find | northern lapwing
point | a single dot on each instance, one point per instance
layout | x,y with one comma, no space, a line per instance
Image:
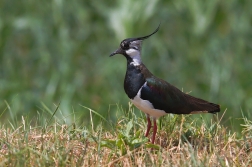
154,96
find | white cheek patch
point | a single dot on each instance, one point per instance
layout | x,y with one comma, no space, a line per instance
135,55
132,52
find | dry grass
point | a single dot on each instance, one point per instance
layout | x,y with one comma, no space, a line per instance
180,142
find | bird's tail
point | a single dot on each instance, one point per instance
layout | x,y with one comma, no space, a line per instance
201,106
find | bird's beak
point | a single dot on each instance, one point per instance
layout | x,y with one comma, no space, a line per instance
118,51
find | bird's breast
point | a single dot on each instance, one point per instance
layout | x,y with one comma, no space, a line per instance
133,81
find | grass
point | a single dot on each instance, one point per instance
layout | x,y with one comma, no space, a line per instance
181,141
58,51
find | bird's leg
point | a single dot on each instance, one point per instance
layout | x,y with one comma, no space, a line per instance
154,131
148,125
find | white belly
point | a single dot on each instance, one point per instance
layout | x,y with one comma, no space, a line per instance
146,106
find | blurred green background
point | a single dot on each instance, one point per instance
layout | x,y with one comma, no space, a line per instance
57,51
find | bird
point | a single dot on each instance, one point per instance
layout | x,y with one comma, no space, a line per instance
152,95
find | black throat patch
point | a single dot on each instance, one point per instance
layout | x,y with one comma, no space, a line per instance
134,79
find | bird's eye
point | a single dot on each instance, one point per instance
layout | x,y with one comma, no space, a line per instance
125,45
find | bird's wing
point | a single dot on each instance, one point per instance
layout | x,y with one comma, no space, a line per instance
165,96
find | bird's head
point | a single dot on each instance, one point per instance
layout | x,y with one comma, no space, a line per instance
131,47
